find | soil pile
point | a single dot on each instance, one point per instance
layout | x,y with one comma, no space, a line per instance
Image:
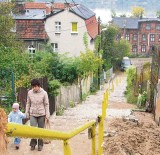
132,138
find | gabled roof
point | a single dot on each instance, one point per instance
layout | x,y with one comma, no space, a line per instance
128,23
82,11
92,26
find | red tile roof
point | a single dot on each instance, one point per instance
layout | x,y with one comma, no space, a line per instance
34,5
37,5
92,26
31,29
61,5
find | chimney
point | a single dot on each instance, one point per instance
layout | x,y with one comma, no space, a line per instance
66,5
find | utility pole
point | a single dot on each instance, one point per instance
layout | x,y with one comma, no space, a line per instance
99,34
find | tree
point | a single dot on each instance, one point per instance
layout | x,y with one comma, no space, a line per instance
113,50
158,14
137,11
113,13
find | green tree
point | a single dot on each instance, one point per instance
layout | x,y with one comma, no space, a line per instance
158,14
114,49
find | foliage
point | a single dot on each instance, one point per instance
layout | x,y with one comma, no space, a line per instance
137,11
158,14
113,50
60,110
72,104
84,96
113,13
131,74
54,86
85,40
88,63
93,88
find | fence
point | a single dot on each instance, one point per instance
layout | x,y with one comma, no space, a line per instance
16,130
67,95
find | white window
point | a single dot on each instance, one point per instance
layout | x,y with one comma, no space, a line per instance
135,37
57,27
143,37
127,37
143,48
152,37
31,50
55,47
158,27
134,48
148,26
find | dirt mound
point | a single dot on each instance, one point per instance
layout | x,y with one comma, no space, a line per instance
131,138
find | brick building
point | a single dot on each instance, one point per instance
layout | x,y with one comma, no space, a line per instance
141,33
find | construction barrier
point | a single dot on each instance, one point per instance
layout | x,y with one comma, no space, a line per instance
16,130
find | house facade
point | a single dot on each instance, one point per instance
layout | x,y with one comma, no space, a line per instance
67,28
141,33
62,25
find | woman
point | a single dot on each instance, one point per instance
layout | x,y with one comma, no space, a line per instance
38,108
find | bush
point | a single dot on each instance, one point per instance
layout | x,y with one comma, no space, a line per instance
60,110
54,86
93,88
72,104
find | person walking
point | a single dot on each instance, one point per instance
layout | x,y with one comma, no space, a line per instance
16,116
38,109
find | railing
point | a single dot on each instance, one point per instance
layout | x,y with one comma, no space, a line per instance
16,130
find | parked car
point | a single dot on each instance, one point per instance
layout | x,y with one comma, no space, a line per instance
126,63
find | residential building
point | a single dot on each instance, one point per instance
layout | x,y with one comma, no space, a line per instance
141,33
61,24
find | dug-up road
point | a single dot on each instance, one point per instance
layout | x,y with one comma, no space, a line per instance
77,116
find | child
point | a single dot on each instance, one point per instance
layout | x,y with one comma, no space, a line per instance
16,116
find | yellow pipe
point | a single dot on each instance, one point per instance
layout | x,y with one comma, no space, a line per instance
66,148
93,140
100,136
34,132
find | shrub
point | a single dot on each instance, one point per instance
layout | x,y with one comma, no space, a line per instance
72,104
60,110
54,86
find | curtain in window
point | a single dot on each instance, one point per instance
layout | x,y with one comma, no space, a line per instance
74,27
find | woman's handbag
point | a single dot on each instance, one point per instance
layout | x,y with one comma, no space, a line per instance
47,126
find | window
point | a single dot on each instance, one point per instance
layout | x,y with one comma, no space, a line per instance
148,26
127,36
31,50
152,37
55,47
158,27
143,37
134,48
57,27
143,48
135,37
74,27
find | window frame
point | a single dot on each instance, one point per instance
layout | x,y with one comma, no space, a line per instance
74,32
54,47
135,37
148,26
144,37
152,37
143,48
127,37
58,27
133,48
158,27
